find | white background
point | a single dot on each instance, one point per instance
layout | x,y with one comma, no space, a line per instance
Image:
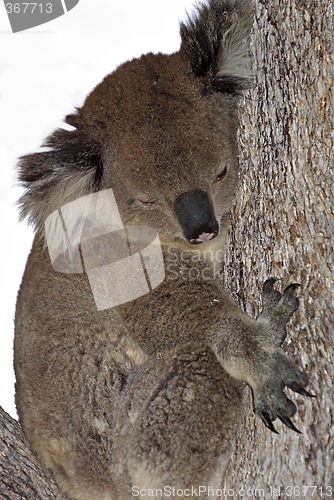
44,73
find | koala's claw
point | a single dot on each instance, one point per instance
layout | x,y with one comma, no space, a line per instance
291,288
297,388
289,295
271,296
286,421
268,285
268,422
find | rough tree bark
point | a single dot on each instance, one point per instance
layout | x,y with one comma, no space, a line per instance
21,476
282,227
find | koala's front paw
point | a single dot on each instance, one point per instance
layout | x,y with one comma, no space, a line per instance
278,307
270,402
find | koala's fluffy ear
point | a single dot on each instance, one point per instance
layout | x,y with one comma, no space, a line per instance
216,40
70,167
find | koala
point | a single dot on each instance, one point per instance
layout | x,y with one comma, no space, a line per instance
124,399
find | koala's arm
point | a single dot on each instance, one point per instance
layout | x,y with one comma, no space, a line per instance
250,351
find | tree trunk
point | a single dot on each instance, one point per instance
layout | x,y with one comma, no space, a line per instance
282,227
21,477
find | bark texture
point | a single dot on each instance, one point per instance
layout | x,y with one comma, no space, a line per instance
282,227
21,476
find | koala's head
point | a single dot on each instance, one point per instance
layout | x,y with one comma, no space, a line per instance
160,131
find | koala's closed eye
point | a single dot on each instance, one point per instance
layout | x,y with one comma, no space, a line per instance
147,203
143,202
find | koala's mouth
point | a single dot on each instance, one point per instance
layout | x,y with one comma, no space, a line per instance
201,238
194,211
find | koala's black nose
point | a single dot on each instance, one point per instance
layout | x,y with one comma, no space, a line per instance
195,214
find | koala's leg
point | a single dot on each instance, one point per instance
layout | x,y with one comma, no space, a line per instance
250,350
184,428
